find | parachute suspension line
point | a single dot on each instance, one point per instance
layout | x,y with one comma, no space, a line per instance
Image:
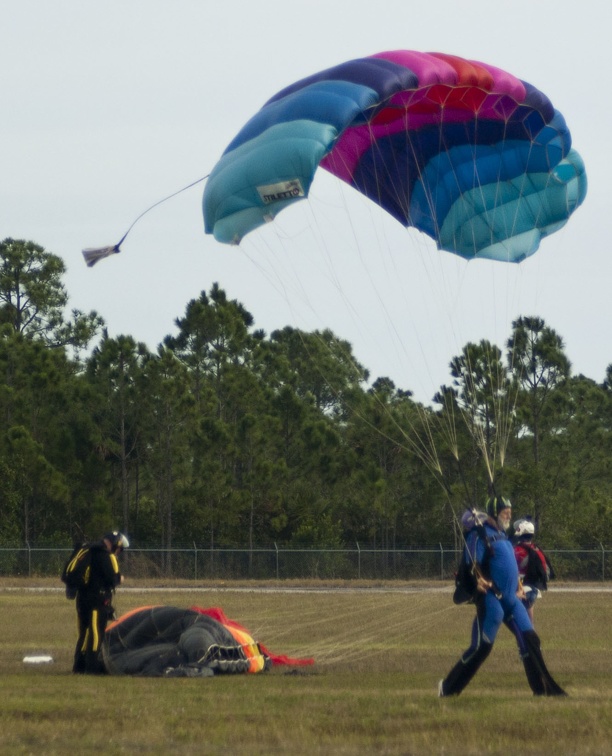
448,419
448,415
449,425
356,316
491,433
425,449
491,438
359,626
503,418
508,403
505,408
481,428
492,441
495,442
508,398
274,272
515,383
385,178
412,442
420,443
93,254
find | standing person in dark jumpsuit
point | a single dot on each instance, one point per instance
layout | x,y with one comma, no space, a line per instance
94,602
491,553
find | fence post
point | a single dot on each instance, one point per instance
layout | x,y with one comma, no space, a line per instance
29,558
603,562
358,561
277,572
195,561
441,561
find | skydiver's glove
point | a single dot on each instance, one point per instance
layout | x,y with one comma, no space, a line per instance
482,584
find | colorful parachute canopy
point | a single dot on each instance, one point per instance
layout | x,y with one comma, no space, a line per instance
463,151
165,641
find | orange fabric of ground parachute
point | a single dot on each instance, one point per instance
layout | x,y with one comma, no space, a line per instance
253,650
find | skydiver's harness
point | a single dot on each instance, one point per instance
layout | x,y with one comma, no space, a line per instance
468,570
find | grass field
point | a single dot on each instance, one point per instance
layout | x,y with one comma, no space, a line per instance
379,654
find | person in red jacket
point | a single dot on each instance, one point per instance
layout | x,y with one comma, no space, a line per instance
534,566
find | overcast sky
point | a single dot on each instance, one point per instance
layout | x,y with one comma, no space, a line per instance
109,107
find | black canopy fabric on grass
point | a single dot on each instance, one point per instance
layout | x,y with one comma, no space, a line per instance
166,641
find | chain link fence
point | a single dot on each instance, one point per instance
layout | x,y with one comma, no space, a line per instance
283,563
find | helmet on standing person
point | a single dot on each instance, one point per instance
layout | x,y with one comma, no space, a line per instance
495,506
523,528
117,541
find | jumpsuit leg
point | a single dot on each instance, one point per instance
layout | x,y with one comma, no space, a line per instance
78,666
92,619
539,678
489,615
93,643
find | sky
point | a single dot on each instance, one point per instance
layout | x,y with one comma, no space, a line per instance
108,108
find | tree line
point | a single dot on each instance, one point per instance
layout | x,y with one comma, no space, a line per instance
227,436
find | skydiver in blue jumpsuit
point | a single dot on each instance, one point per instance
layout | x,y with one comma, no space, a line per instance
496,600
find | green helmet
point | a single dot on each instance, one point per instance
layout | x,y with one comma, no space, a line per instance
495,505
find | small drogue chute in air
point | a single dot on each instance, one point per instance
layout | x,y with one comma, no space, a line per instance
167,641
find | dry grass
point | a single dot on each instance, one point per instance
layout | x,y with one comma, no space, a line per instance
373,688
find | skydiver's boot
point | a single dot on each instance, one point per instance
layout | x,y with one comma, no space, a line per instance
540,680
461,674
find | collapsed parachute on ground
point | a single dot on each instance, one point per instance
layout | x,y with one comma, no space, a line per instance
468,154
166,641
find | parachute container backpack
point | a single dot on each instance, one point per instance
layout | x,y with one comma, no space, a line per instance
75,574
468,154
